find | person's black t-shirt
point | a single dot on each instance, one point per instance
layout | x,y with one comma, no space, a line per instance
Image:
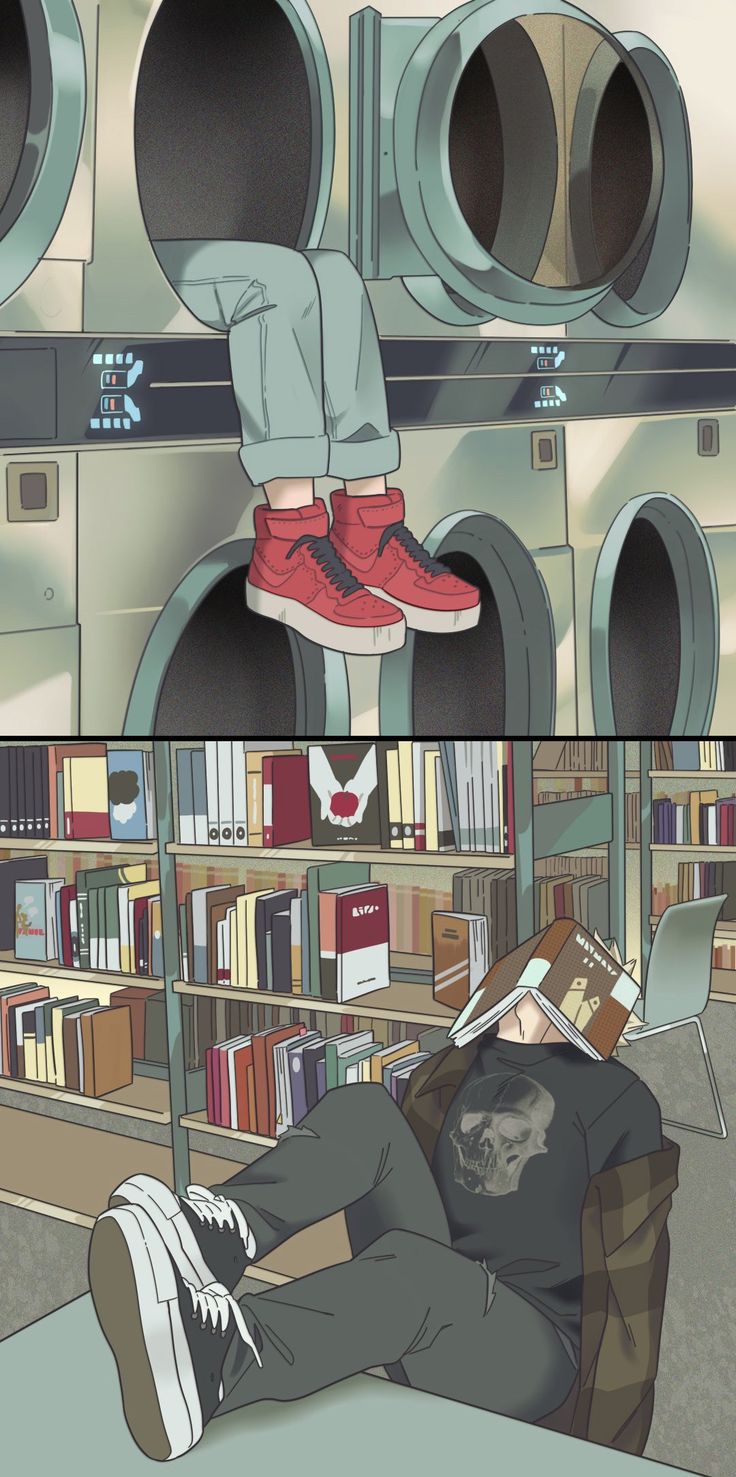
527,1128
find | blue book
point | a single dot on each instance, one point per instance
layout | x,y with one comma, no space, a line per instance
127,792
321,1078
35,918
186,796
685,754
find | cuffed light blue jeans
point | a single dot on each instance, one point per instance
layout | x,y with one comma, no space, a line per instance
304,355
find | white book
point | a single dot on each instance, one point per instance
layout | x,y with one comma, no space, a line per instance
240,796
466,818
186,796
225,790
198,964
127,963
199,788
213,811
150,793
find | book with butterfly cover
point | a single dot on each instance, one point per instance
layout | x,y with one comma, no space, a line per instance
580,983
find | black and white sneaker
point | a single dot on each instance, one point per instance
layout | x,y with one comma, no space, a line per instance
169,1338
206,1235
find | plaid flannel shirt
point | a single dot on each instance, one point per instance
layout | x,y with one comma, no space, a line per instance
625,1253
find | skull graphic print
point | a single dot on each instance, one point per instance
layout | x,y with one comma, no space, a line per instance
499,1125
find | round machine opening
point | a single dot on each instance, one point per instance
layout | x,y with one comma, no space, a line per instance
234,128
654,623
644,635
232,672
460,680
15,97
42,104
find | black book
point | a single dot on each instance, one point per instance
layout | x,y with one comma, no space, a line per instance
17,815
344,794
281,952
310,1056
275,902
39,765
4,792
29,760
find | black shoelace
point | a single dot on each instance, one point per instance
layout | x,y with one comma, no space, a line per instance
329,560
417,552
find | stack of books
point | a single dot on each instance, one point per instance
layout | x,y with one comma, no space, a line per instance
571,754
76,792
696,817
708,879
392,796
569,896
695,754
234,794
74,1043
331,939
265,1082
108,918
489,892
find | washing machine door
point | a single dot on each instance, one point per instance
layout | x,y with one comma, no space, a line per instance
655,626
529,165
42,105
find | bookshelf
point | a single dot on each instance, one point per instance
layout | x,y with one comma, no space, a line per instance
723,981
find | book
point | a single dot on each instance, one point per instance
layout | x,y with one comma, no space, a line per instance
438,822
86,881
35,923
286,814
344,795
135,997
240,800
267,904
373,1066
199,797
185,796
254,790
12,870
460,956
393,800
57,1072
13,997
584,990
281,950
297,1081
339,1047
361,941
154,1040
406,788
86,800
329,875
127,795
56,754
108,1051
263,1071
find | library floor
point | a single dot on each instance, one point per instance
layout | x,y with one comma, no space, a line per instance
43,1267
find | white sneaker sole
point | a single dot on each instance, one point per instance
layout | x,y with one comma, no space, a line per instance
436,621
354,640
162,1205
135,1297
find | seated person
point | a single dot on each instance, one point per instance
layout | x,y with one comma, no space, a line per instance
467,1272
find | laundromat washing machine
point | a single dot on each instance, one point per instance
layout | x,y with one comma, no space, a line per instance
542,203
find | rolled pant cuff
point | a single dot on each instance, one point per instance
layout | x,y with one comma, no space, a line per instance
354,459
292,456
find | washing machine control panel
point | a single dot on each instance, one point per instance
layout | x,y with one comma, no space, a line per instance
75,391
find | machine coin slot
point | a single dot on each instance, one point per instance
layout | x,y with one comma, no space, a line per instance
708,439
33,492
544,451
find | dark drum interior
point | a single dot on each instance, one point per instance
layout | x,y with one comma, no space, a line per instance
460,680
223,124
476,149
644,635
231,674
15,94
621,169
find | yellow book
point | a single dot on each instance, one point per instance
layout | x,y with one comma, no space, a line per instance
88,794
406,784
156,930
705,754
127,950
432,835
393,787
381,1059
245,910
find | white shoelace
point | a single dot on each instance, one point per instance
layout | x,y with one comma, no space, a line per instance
216,1210
215,1304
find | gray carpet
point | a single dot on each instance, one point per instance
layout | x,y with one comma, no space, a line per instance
43,1262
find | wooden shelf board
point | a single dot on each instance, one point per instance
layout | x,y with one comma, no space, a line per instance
105,848
310,854
721,995
404,1000
199,1122
689,846
53,973
692,774
145,1097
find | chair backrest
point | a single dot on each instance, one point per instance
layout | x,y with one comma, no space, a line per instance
678,977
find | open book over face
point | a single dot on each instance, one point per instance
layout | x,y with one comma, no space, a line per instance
583,987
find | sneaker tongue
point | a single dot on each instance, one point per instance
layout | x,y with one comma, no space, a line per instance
371,512
293,523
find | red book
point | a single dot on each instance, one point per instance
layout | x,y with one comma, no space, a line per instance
216,1095
243,1059
264,1077
559,899
210,1085
510,798
286,814
224,1068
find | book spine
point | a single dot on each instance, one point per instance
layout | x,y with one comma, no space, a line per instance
213,814
268,801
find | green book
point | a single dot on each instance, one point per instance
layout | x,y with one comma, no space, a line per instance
357,1055
112,928
92,879
330,874
348,1043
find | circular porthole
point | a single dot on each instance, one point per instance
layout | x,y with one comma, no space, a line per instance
498,677
654,623
530,162
234,123
42,106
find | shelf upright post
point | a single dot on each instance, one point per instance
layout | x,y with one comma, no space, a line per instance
524,838
617,845
645,844
170,933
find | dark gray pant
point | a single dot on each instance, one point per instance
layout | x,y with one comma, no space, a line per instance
405,1296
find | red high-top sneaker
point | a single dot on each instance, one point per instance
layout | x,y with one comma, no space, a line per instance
296,576
371,538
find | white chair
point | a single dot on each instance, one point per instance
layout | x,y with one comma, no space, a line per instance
678,984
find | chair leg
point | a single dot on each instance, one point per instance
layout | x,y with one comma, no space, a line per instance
693,1020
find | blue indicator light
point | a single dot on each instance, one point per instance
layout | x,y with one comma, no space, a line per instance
95,424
